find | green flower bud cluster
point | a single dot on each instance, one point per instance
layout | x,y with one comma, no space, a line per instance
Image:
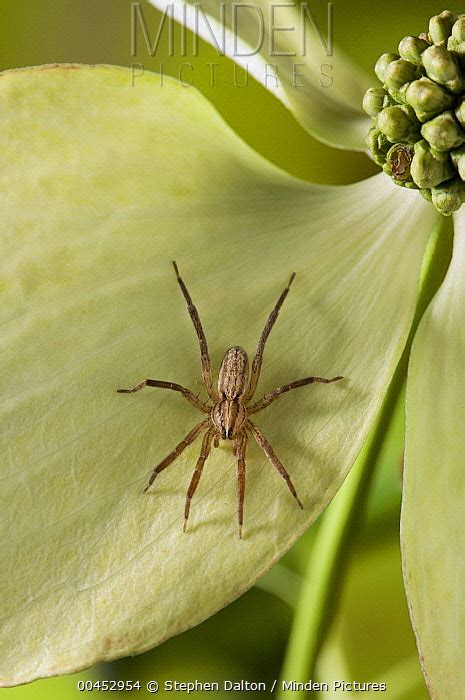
418,130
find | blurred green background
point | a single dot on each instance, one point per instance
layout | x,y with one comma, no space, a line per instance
369,636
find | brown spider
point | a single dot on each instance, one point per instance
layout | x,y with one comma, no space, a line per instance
228,416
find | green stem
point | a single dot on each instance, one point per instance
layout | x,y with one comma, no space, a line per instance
327,561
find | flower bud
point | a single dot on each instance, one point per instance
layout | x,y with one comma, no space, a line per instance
427,98
411,48
400,72
458,30
378,144
459,51
440,27
443,132
383,62
375,99
398,161
449,196
458,159
460,111
442,66
456,41
426,194
429,167
396,123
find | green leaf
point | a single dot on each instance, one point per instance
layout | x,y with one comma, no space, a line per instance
311,77
433,531
103,185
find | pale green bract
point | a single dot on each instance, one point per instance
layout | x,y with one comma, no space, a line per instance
102,185
434,485
292,55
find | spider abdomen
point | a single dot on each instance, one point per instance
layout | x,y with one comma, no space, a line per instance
228,417
234,373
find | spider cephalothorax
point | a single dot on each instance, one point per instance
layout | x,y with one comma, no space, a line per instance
229,410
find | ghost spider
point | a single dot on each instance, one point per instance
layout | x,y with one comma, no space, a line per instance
228,414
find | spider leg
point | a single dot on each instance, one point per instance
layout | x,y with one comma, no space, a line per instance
190,437
268,450
204,356
204,452
194,400
239,446
273,395
258,359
